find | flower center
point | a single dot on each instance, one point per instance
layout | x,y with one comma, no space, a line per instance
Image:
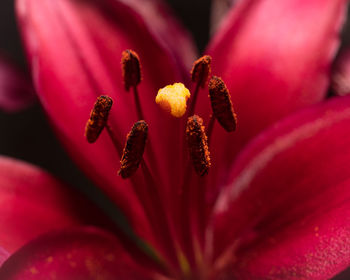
179,227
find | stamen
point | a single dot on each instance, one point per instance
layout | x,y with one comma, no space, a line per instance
221,104
131,69
98,118
198,145
210,128
200,73
173,99
201,70
133,150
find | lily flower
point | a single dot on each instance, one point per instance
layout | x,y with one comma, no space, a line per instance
271,199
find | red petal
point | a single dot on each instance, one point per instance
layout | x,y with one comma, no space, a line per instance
3,255
75,49
75,254
287,210
33,202
165,27
274,57
16,90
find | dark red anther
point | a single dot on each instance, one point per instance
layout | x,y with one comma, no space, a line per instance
131,68
221,104
201,70
133,150
198,145
98,118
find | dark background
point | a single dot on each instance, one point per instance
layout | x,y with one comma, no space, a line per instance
27,135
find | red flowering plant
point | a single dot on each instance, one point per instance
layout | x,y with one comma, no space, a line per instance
267,199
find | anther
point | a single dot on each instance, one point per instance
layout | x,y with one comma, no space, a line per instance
198,145
201,70
133,150
173,99
131,69
98,118
221,104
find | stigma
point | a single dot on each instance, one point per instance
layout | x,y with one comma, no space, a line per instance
173,99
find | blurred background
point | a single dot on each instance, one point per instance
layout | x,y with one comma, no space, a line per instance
26,135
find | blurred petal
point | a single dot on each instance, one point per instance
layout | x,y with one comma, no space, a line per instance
218,11
3,255
32,202
75,254
166,27
341,74
16,90
286,211
275,58
75,49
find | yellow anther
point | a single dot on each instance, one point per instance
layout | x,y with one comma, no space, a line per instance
173,99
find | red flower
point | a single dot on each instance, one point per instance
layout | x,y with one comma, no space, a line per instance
277,211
